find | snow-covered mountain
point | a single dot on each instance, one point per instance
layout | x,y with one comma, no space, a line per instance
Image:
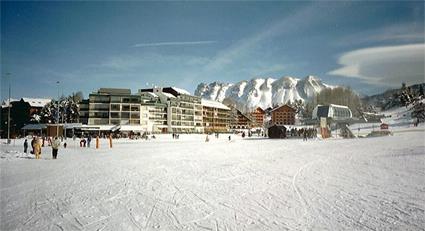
262,92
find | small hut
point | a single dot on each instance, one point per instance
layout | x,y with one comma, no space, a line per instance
277,132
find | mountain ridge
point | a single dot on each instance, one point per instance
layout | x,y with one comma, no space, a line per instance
262,92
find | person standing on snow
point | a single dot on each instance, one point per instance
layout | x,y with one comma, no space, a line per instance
25,146
88,141
32,145
37,148
55,147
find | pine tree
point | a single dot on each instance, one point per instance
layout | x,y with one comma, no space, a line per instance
66,111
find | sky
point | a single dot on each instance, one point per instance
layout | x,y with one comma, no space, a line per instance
369,46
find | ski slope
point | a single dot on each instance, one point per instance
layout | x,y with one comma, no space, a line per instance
399,120
245,184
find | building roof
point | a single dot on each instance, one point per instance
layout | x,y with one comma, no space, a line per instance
5,103
34,127
340,106
212,103
72,125
175,91
259,109
99,127
131,128
282,106
169,95
36,102
114,91
180,91
150,94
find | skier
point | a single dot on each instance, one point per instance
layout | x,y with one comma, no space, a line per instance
230,138
37,148
243,134
305,135
25,146
207,139
55,147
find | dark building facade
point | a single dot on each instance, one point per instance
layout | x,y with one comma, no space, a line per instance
21,113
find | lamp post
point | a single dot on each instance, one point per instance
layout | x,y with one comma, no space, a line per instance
57,113
8,112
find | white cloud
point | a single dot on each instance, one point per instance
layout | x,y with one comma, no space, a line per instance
387,65
175,43
408,32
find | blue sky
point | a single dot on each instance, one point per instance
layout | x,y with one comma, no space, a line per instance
370,46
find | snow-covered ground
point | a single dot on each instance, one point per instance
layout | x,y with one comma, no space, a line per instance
245,184
399,120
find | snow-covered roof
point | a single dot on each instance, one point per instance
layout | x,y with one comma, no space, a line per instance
5,103
180,91
212,103
151,94
72,125
168,95
131,128
36,102
34,127
336,105
281,106
99,127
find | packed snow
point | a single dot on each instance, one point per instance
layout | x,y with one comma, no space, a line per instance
242,184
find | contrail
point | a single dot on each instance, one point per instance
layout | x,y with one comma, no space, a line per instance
173,43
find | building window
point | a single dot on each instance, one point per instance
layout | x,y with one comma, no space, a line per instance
115,107
126,107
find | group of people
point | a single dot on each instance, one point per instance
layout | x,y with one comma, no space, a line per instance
207,139
37,143
176,136
306,133
85,142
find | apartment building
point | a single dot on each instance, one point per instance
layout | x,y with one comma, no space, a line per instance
158,110
258,115
283,115
111,106
215,116
154,115
240,120
183,111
